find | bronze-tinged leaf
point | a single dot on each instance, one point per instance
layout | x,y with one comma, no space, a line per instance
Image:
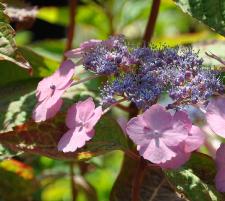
155,186
42,138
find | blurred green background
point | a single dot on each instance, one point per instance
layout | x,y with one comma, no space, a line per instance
99,19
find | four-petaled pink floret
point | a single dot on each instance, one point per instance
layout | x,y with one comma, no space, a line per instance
162,138
215,115
220,163
183,151
50,90
81,119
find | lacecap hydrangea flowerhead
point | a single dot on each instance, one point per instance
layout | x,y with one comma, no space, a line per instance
164,135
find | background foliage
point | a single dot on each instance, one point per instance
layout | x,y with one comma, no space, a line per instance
40,43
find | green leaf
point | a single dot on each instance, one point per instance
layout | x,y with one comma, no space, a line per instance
42,138
210,12
8,49
154,186
6,153
196,179
42,67
17,181
16,104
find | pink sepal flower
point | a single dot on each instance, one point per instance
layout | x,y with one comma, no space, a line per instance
215,115
85,46
183,151
81,119
156,132
220,163
193,141
177,161
50,90
88,45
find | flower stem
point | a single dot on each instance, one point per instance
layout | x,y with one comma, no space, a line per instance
85,79
122,107
73,186
149,30
71,27
138,178
114,104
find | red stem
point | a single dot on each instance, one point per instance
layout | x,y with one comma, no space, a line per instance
69,43
71,27
73,186
138,178
133,109
151,23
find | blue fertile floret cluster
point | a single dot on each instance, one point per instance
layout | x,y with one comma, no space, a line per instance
141,75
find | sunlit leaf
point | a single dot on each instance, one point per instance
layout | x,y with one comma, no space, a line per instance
8,49
42,66
196,179
6,153
210,12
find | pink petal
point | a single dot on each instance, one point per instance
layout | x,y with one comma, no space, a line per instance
136,132
123,124
75,53
194,140
85,109
90,44
157,152
57,95
220,163
157,118
183,117
43,89
215,115
61,79
85,46
220,180
175,135
177,161
72,119
74,139
93,119
220,156
64,74
42,111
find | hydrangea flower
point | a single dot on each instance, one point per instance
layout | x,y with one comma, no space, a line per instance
50,90
183,151
215,115
220,163
84,47
81,119
156,132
